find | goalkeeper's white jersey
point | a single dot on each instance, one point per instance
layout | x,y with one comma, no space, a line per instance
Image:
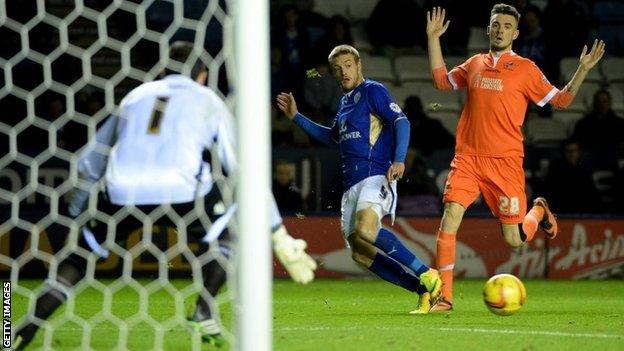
157,143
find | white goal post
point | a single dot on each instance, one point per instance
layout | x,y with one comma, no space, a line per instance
254,268
71,56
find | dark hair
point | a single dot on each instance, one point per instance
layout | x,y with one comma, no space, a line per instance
601,91
505,9
182,52
338,20
413,107
567,142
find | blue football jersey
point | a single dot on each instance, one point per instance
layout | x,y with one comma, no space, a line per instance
364,130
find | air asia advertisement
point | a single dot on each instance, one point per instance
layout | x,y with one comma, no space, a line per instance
583,249
591,249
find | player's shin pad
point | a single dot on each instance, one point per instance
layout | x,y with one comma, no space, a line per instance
291,253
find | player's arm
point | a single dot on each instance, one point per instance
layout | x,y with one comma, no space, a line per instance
92,164
384,106
541,92
435,28
288,105
587,61
401,135
442,79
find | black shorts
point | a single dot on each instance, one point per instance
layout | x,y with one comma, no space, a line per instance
195,218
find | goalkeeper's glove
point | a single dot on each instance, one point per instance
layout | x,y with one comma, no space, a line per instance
291,253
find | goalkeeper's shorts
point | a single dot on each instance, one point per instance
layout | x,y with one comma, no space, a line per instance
195,214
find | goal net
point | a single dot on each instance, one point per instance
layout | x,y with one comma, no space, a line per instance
66,64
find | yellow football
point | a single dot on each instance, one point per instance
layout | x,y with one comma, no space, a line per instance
504,294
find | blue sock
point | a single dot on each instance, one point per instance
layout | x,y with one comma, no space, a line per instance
392,271
393,247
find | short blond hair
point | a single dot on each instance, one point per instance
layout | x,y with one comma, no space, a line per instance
343,50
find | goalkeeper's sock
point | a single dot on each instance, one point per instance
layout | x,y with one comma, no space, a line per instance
46,304
391,271
55,294
214,277
393,247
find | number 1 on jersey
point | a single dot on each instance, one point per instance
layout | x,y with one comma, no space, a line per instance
153,127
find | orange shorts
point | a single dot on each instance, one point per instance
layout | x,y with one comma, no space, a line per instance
500,180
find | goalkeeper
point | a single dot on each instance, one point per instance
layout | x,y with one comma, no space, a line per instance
156,159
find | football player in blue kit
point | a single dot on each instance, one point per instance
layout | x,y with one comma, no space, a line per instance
372,134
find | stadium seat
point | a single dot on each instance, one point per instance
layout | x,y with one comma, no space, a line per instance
478,40
401,92
613,69
586,93
570,64
377,67
360,38
617,99
609,10
541,4
568,118
452,61
617,86
603,179
545,131
448,119
330,8
413,68
617,90
447,101
416,68
360,10
584,98
444,100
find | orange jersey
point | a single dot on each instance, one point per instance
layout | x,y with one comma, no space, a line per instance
499,90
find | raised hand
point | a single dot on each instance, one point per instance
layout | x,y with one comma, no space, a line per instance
286,103
588,60
435,22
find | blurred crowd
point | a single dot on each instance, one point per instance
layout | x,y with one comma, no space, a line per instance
582,173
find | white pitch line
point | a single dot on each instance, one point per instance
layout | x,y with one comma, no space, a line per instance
445,329
531,332
469,330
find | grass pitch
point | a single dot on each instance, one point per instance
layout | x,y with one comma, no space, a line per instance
372,315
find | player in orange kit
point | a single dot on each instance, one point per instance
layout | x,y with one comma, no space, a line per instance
489,151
